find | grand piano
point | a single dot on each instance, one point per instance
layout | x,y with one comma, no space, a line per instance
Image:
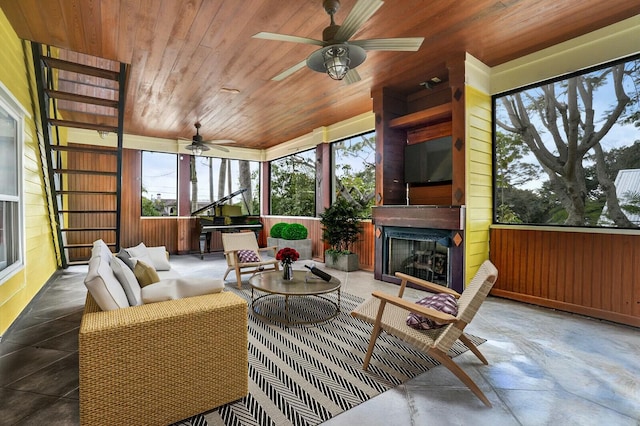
221,217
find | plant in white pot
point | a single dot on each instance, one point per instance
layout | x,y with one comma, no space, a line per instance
341,228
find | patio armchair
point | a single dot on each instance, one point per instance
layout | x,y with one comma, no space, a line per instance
389,313
241,251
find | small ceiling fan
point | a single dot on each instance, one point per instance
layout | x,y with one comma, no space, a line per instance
338,56
198,146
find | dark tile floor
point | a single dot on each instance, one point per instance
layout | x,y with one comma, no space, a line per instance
545,367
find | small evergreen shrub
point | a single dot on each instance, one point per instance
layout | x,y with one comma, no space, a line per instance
276,229
294,231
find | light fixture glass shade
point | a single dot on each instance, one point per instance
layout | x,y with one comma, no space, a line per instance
103,133
336,59
196,149
336,62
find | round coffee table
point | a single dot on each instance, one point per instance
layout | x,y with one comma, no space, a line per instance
303,285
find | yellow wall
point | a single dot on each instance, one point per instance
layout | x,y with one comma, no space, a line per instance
478,168
40,260
478,179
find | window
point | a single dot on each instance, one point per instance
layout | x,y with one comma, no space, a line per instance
11,226
567,151
218,177
354,171
159,184
293,185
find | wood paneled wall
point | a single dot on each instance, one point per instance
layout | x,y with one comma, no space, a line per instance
594,274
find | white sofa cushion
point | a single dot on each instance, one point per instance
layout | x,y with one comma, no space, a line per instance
137,251
158,257
102,283
128,281
178,288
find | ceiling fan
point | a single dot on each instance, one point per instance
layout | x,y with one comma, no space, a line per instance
198,146
338,56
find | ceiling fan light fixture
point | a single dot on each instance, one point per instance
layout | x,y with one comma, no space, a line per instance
197,148
336,59
336,62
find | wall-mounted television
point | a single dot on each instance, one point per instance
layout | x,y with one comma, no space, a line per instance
428,162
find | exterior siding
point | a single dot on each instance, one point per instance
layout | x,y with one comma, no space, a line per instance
40,258
478,179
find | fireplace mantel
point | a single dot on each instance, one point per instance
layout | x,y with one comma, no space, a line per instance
417,216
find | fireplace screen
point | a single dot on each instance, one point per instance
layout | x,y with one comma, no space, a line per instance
422,253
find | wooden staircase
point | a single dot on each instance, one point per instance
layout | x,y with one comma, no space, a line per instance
84,180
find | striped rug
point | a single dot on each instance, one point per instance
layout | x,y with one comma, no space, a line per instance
306,374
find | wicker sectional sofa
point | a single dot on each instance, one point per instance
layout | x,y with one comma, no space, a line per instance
161,362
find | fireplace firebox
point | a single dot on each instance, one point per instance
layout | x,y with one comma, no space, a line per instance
422,241
422,253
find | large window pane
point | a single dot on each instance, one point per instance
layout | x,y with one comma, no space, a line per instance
354,171
293,185
567,152
11,228
159,184
218,177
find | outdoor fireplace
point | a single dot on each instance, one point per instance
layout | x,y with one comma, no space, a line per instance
422,241
422,253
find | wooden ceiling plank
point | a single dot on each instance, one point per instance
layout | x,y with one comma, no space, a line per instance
75,27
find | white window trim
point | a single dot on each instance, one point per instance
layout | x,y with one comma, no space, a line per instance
12,106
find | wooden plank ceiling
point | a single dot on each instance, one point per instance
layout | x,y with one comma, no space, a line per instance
189,57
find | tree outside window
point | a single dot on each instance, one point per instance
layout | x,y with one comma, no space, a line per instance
293,185
567,152
159,184
354,171
215,178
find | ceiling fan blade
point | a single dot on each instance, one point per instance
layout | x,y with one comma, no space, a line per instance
218,141
404,44
361,11
352,76
219,147
288,72
284,37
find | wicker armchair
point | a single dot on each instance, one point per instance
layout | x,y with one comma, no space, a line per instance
162,362
389,313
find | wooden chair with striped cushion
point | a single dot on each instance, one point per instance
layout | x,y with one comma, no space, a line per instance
237,245
389,313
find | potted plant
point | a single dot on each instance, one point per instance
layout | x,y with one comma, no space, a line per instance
292,235
341,228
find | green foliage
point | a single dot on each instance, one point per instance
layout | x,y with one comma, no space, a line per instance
293,185
294,231
151,208
276,229
355,170
341,226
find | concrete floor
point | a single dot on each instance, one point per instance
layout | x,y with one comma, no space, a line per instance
545,367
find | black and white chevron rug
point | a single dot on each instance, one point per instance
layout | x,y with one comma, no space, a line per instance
304,375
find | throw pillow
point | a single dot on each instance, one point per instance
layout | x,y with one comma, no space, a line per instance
158,257
126,258
248,256
137,251
145,274
442,302
128,280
